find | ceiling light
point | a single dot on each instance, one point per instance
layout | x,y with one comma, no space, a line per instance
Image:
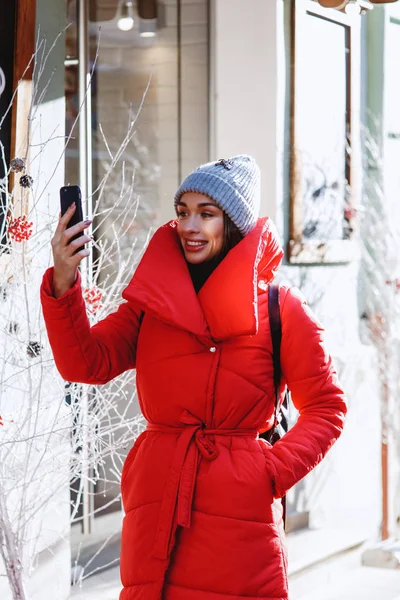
148,28
125,16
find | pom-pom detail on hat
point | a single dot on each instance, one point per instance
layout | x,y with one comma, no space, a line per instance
225,162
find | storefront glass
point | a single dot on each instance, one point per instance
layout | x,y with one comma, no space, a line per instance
149,124
159,81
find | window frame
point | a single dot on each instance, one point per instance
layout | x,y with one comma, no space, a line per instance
319,251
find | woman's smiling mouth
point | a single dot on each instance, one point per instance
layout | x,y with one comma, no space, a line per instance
194,245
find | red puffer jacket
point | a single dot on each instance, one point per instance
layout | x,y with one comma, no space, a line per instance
199,488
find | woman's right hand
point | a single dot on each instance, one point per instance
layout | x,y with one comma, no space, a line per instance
65,261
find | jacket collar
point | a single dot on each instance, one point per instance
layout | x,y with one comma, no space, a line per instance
226,305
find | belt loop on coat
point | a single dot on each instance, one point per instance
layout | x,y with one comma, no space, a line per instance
177,501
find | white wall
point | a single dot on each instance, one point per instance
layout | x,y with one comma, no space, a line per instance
244,94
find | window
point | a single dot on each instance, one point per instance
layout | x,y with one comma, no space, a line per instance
160,83
325,134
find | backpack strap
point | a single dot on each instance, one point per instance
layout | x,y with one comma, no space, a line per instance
281,423
276,331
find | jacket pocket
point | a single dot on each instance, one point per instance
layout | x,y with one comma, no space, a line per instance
266,448
131,457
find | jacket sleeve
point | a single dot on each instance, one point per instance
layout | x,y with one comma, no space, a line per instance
85,354
316,394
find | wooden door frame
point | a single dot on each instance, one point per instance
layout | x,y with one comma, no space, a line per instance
17,59
24,48
319,251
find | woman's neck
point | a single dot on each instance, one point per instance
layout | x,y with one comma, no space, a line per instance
200,272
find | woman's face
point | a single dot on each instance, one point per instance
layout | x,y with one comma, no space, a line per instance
200,227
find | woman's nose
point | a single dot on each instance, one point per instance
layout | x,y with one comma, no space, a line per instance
191,224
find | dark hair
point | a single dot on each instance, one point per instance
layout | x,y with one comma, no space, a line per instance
232,235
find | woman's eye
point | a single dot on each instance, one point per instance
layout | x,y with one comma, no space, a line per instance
207,214
180,213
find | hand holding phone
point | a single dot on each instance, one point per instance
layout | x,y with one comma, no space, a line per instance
71,194
67,242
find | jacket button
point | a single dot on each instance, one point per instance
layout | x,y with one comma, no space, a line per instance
213,349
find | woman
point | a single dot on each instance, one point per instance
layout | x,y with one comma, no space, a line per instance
201,491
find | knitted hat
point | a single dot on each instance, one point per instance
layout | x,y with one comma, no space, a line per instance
234,184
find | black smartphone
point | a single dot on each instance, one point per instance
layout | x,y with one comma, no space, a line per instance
68,195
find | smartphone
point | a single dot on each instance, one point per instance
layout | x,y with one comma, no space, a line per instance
68,195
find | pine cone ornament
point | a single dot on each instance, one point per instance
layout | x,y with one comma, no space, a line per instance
33,349
17,165
26,181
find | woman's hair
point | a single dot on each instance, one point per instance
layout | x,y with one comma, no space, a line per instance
232,235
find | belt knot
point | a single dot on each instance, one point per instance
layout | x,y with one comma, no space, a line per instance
207,448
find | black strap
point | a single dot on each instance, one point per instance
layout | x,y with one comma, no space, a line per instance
281,413
276,332
281,423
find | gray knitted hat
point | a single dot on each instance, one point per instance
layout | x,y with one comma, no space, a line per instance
234,184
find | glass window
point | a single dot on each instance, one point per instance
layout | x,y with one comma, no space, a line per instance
155,74
149,122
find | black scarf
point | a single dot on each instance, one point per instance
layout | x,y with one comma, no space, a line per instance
200,272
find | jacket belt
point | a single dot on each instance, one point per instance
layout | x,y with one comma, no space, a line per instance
176,506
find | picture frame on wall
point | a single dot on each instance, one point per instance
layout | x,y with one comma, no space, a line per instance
325,134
